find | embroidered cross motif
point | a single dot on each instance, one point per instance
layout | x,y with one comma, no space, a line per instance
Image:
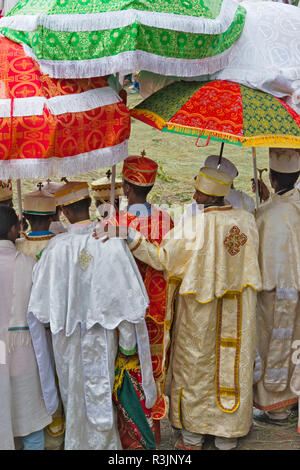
84,259
235,240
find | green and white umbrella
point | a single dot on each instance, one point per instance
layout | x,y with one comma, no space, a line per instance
86,38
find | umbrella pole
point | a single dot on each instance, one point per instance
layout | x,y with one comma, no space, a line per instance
112,186
255,176
220,156
20,202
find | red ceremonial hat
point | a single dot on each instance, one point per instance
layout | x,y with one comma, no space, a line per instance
140,170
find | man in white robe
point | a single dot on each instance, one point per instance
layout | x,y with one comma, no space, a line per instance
94,299
23,412
278,306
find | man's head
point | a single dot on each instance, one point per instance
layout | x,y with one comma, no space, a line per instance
77,211
75,201
52,187
207,200
134,193
101,192
139,175
39,209
280,181
39,223
211,186
284,168
6,193
9,224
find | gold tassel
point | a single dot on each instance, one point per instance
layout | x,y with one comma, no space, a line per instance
122,364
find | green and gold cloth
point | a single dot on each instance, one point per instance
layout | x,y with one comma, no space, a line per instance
85,38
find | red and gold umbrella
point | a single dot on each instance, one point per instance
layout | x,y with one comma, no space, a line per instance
223,111
56,127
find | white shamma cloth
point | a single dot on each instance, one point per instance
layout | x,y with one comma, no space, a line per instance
94,298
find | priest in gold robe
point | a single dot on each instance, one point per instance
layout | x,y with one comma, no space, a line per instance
278,311
211,265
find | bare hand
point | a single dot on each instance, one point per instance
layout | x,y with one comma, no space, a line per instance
263,190
106,209
105,231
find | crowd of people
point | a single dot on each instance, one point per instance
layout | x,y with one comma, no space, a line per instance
101,320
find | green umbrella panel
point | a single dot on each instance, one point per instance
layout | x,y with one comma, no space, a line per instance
84,38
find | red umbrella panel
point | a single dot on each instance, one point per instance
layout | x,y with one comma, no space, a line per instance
56,127
223,111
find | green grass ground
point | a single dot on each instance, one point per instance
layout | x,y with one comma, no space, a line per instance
179,161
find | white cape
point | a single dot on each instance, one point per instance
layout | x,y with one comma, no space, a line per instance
86,289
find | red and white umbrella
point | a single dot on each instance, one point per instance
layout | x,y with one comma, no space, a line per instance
56,127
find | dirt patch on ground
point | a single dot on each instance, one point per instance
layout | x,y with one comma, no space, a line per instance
261,437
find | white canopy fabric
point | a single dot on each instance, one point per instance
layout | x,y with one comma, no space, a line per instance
265,57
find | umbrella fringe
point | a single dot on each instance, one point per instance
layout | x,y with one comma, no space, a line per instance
66,166
145,116
202,133
125,62
155,120
287,141
86,101
120,19
60,104
257,141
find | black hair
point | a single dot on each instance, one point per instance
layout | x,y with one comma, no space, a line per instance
140,191
80,206
285,180
36,218
219,199
8,219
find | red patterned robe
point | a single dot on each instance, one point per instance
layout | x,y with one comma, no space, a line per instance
154,229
